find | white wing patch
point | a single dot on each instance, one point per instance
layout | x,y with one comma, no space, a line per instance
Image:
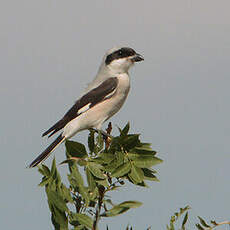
87,107
110,94
84,108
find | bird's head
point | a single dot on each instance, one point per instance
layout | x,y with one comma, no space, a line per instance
119,60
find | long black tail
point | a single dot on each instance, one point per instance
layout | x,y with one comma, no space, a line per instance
47,151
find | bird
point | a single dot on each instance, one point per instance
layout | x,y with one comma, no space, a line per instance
103,97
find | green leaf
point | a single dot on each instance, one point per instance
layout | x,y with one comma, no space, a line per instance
45,181
59,219
73,220
130,141
83,191
76,181
125,130
199,227
69,160
77,185
121,170
111,167
103,182
73,160
76,149
106,157
53,168
56,200
149,174
109,202
90,180
184,221
143,151
82,162
121,208
146,162
93,196
84,220
176,216
136,175
202,221
51,186
115,144
44,170
66,194
99,143
95,169
171,225
130,204
146,146
116,210
76,177
119,158
56,179
143,184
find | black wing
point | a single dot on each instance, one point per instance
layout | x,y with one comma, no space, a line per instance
96,95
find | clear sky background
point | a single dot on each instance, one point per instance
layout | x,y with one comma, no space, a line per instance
179,100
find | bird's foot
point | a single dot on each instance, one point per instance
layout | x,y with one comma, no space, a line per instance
103,133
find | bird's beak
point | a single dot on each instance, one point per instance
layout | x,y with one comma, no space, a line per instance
137,58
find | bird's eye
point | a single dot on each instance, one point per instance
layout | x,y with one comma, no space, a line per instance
120,52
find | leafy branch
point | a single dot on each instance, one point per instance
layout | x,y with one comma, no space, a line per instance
202,225
110,163
213,224
176,217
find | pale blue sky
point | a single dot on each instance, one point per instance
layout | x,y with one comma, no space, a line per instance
50,50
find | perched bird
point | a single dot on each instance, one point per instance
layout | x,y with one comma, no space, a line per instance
103,97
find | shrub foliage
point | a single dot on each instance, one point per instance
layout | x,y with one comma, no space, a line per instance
109,163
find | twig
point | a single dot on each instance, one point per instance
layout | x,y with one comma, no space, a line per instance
109,129
218,224
101,190
108,139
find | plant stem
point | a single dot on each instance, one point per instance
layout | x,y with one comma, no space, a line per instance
218,224
101,190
